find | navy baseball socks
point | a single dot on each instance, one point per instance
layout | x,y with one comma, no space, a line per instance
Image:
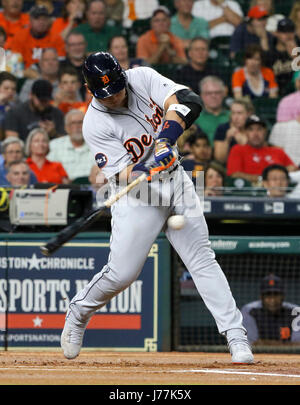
239,346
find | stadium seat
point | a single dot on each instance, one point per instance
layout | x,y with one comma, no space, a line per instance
245,5
220,45
139,27
283,6
81,180
266,108
167,70
237,187
169,4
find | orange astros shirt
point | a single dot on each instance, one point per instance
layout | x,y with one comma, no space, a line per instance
30,48
51,172
78,105
148,44
13,27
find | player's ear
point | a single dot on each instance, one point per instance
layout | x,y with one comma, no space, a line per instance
88,90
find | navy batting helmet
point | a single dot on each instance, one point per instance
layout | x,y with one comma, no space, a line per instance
103,74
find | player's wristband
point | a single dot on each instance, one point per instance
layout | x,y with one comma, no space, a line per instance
171,130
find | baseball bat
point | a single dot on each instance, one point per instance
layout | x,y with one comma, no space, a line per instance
82,223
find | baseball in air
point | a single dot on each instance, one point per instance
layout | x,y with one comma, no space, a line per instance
176,222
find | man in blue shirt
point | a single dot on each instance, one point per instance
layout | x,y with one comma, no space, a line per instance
252,31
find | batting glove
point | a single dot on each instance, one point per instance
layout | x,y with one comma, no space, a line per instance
164,155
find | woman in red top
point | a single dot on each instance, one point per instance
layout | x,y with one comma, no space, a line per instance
37,148
72,15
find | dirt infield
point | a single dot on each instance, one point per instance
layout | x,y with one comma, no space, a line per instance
50,368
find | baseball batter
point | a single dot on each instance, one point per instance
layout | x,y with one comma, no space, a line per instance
131,126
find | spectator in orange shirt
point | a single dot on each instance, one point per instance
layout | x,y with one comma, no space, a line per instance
159,45
12,19
253,79
37,148
68,96
72,15
30,41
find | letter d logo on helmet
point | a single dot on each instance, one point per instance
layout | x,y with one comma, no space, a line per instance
103,74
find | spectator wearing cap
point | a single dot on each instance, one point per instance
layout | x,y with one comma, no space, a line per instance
198,66
95,30
30,41
280,58
12,19
273,17
251,31
254,79
248,161
270,319
159,45
222,15
138,10
34,113
212,92
185,26
233,132
289,106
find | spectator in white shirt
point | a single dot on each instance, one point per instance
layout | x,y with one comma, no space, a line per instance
286,135
223,15
71,150
138,10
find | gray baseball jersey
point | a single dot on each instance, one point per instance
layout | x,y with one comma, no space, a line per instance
126,135
118,138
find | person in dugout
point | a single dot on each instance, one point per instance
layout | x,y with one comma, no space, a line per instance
271,320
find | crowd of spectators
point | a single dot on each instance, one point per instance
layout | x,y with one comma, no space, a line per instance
240,56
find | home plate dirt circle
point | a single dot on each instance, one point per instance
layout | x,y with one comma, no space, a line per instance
133,368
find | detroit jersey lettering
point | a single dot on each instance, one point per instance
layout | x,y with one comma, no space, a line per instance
123,136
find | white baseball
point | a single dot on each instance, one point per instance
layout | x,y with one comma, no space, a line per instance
176,222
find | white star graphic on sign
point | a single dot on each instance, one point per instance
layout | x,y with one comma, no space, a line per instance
37,322
34,262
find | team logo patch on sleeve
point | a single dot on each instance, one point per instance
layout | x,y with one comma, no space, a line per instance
101,160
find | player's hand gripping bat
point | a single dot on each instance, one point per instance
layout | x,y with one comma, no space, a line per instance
82,223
